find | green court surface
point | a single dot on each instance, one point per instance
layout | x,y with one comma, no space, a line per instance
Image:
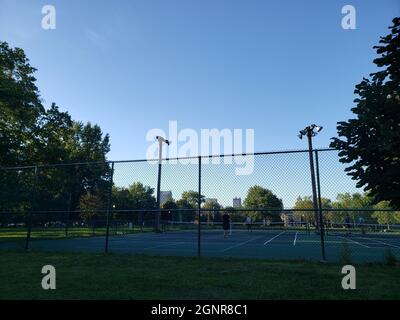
265,244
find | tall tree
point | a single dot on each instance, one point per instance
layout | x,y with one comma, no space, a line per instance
143,196
187,210
122,199
136,197
192,197
90,205
30,134
353,205
20,107
385,217
212,210
370,143
304,209
261,198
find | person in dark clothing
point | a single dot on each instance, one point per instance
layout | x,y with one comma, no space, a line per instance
347,223
226,223
248,223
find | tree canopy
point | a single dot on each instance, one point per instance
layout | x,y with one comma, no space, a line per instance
192,197
355,205
370,143
30,135
260,198
304,208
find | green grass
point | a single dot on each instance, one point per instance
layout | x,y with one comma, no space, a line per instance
116,276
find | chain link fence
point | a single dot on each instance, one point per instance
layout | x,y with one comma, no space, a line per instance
249,205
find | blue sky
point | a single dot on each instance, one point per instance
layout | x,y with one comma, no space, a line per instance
130,66
274,66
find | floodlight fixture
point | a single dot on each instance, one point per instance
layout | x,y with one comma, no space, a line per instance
310,131
161,139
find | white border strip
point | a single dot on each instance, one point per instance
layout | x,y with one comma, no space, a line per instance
295,239
378,241
268,241
240,244
363,245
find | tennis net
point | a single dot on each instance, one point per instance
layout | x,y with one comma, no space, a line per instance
376,230
214,227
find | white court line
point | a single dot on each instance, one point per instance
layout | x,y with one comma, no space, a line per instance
378,241
164,245
268,241
295,238
241,244
355,242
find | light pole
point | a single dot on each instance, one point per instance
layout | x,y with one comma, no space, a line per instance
311,131
161,140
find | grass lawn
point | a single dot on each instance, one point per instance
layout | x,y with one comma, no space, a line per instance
117,276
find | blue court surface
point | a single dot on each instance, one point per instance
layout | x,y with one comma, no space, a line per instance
265,244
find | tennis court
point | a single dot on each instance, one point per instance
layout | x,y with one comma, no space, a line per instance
279,242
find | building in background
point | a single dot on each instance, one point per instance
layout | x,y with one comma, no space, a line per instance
211,200
237,202
165,196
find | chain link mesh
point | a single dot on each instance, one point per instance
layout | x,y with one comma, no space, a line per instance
267,197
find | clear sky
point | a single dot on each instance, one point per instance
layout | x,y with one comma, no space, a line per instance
273,66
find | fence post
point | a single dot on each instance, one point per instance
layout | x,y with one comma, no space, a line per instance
109,206
199,212
158,213
33,205
321,220
68,214
312,170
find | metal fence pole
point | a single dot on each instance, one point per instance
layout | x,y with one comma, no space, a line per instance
321,220
199,212
33,205
314,191
109,206
68,214
158,213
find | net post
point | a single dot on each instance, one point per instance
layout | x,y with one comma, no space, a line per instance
199,212
109,207
321,220
33,205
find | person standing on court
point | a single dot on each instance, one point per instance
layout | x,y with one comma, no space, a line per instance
248,223
347,223
226,221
